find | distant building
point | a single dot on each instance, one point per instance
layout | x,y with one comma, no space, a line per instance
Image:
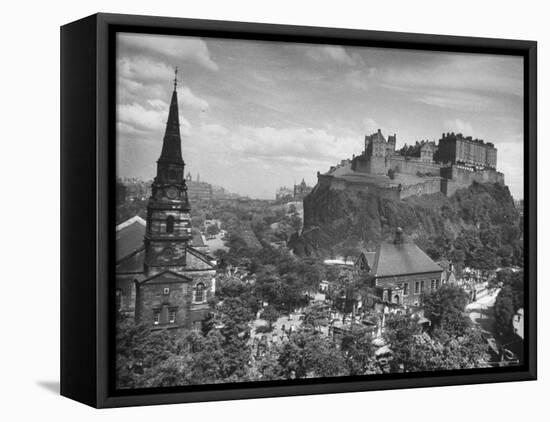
297,193
197,191
284,194
301,190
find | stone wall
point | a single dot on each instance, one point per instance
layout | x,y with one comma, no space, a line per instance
430,186
165,255
408,295
157,222
465,176
360,164
151,298
369,165
408,165
445,178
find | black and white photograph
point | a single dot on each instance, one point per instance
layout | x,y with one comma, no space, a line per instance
291,211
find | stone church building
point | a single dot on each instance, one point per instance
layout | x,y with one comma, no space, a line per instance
164,278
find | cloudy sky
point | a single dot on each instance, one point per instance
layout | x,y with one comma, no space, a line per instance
258,115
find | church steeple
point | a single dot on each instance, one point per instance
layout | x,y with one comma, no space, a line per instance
171,146
168,221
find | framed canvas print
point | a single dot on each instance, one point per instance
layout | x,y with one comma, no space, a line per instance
254,210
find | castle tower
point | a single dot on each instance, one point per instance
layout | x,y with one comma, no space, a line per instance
168,227
376,153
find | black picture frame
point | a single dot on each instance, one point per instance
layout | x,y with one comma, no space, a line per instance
87,220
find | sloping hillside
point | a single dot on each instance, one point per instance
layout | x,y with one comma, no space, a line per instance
477,226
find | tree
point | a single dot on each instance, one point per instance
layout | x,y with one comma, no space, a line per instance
416,351
270,314
266,367
466,351
309,355
504,310
212,230
447,352
358,350
348,289
200,362
315,316
139,351
400,335
295,222
445,308
235,317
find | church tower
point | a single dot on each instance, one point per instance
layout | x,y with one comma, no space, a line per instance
168,229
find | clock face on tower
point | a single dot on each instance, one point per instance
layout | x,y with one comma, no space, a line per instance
172,193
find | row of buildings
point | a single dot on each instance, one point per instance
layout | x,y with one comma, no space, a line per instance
198,192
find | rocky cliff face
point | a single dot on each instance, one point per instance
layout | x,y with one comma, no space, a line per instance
483,214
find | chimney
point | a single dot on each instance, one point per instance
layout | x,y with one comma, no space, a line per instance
398,236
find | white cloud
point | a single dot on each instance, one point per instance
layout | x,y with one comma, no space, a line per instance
360,78
459,126
176,49
334,53
214,129
188,98
135,118
510,162
144,70
370,125
489,74
457,100
140,78
140,118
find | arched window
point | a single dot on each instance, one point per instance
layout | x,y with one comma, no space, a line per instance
199,293
170,224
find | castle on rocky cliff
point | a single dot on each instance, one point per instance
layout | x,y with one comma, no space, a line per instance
424,168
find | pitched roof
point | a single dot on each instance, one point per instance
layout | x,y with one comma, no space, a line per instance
132,264
370,256
130,253
129,237
394,259
166,277
203,260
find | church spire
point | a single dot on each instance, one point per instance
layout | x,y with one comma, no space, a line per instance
171,146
